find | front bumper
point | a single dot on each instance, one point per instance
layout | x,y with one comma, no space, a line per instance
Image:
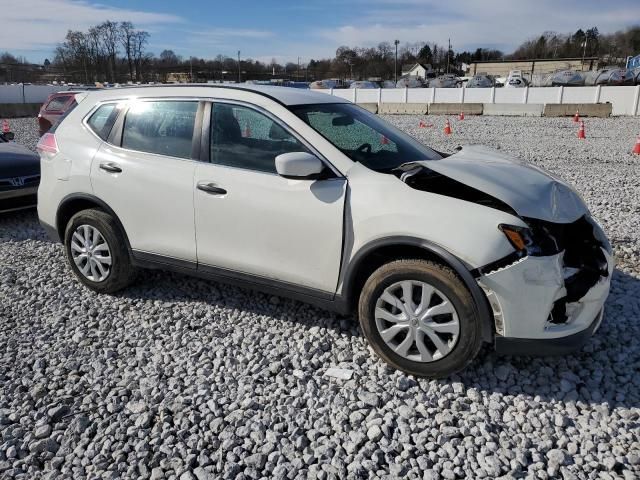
547,346
523,297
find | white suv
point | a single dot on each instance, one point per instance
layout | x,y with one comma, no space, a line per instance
302,194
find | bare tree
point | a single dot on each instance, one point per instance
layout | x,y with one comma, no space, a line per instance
127,34
139,41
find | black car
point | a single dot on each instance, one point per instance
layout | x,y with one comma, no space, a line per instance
19,175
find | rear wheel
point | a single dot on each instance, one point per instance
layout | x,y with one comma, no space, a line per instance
96,250
420,318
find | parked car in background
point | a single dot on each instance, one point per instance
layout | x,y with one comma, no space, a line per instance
307,195
409,81
363,84
54,107
564,78
480,81
19,175
445,81
610,76
515,79
388,84
323,84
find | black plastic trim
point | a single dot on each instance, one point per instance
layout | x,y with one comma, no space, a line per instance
320,298
349,274
545,346
100,203
505,261
197,132
205,133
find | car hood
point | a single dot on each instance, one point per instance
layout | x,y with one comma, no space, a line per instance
16,161
529,190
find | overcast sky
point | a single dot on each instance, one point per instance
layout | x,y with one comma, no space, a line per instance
265,29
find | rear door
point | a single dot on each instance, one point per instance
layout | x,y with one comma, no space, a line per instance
145,174
254,221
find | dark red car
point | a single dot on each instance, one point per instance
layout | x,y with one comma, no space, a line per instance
54,107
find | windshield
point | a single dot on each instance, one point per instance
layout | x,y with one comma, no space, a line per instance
363,136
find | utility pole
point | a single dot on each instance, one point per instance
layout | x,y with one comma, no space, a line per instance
191,69
448,52
395,62
298,71
238,66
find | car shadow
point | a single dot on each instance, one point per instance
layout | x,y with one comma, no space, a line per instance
603,371
21,225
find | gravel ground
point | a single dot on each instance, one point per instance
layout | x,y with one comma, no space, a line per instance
182,378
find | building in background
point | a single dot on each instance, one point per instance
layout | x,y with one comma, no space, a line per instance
532,67
420,70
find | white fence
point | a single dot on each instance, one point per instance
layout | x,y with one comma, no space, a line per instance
27,93
624,100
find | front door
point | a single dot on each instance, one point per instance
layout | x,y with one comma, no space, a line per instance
250,220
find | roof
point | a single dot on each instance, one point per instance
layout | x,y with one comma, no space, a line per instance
283,95
410,66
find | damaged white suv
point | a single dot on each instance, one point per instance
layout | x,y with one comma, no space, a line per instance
305,195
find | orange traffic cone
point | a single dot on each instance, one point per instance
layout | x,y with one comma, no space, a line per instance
581,134
447,128
384,140
5,126
421,124
636,149
576,117
247,132
461,117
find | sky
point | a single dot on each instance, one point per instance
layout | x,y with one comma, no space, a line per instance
286,30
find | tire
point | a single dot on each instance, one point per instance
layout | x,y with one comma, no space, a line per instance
120,272
454,303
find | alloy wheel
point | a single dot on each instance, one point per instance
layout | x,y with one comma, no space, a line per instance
417,321
91,253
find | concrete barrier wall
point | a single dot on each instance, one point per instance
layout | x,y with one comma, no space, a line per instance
455,108
15,110
372,107
584,109
513,109
403,108
623,100
27,93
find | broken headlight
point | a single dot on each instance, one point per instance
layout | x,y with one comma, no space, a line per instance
536,242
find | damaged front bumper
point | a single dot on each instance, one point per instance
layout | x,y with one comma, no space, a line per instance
544,305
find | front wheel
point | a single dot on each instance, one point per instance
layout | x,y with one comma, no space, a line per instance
420,318
96,250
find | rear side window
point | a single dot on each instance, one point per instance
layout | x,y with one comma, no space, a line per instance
57,103
103,119
164,127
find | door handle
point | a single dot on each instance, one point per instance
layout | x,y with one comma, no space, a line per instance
211,188
110,167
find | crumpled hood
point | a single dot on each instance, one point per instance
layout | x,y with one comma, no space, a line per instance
16,161
531,191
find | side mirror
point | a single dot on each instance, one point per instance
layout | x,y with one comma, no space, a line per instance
299,165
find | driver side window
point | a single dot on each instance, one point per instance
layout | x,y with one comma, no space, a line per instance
242,137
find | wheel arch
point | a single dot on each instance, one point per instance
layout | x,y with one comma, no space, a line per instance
74,203
377,252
